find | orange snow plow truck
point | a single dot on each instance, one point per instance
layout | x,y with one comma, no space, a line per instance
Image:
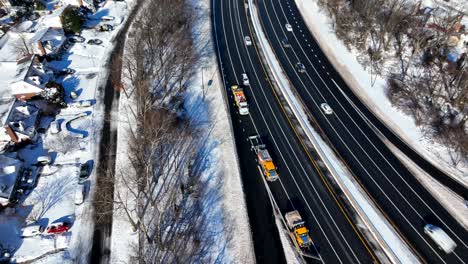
296,225
241,100
265,162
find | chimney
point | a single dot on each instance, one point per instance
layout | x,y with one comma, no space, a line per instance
11,133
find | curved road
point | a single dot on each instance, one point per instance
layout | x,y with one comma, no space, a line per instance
302,184
400,196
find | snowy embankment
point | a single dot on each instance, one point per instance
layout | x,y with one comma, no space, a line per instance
359,79
374,97
205,103
375,223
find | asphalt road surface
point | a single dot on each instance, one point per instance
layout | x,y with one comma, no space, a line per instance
403,199
300,186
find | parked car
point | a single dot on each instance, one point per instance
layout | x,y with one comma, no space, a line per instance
43,160
104,27
76,39
326,108
285,43
57,228
79,194
85,170
300,67
107,18
247,40
32,230
65,71
94,42
289,27
55,127
29,178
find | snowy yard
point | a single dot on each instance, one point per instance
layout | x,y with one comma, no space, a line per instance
75,141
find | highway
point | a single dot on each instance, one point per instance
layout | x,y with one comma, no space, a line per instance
403,200
302,185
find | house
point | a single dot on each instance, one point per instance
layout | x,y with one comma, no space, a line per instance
20,124
53,20
30,80
47,41
10,171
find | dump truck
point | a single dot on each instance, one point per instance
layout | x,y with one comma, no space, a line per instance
297,227
264,160
240,99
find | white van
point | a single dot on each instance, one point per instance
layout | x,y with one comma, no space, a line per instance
441,238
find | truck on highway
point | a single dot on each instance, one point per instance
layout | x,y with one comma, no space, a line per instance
264,159
438,235
297,227
241,100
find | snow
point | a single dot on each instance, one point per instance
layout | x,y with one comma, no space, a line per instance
68,149
377,225
205,106
374,96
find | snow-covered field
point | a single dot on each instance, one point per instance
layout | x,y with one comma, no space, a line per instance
359,79
76,143
370,217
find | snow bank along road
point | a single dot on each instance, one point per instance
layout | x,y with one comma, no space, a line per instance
301,183
400,196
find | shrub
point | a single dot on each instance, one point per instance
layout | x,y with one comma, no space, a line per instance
71,20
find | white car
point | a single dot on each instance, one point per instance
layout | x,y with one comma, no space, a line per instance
55,127
326,108
79,194
247,40
245,79
32,230
289,27
438,235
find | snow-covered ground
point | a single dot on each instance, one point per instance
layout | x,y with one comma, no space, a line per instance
204,103
370,217
359,79
76,143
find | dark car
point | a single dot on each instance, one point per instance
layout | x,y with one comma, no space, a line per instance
300,67
105,27
285,43
76,39
65,71
95,42
85,170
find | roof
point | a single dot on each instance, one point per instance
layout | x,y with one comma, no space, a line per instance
12,71
22,118
9,171
53,36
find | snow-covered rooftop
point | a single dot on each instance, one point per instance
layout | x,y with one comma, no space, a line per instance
9,170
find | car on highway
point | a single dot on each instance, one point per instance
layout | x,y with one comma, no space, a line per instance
94,42
285,43
438,235
245,79
32,230
247,40
300,67
326,109
289,27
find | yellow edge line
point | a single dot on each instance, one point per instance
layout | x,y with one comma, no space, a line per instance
307,152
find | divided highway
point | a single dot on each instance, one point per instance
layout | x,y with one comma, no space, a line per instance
301,186
400,196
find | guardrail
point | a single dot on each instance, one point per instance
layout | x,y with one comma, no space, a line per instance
302,118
